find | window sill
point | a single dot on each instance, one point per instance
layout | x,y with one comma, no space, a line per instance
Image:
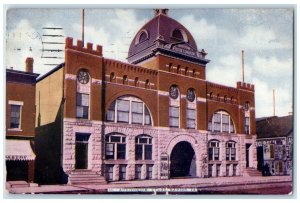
15,129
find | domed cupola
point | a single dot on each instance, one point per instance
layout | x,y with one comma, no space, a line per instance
164,35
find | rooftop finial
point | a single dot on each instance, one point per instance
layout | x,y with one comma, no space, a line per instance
161,11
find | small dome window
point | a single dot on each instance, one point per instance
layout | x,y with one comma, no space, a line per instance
141,37
179,35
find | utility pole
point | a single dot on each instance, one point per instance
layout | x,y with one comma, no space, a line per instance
273,102
83,27
243,65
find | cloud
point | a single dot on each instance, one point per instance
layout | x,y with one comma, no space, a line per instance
227,70
115,34
262,38
200,29
264,99
273,67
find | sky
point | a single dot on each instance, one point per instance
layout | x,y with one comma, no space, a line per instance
265,34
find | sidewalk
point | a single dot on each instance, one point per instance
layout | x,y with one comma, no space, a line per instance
171,183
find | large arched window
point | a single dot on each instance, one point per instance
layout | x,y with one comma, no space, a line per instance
221,122
128,109
143,147
115,146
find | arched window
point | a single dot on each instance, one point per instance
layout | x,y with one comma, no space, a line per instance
128,109
191,109
211,96
225,98
213,150
136,81
83,94
178,69
112,76
179,35
125,80
231,99
186,71
174,106
115,146
230,151
221,122
147,83
143,147
218,97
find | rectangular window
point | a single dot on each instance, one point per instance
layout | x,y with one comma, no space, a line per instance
174,117
287,148
227,154
148,152
123,111
149,171
109,172
122,173
271,151
234,169
109,151
15,116
121,151
247,125
138,152
233,154
210,170
137,112
216,153
82,105
191,118
138,171
210,153
227,169
218,170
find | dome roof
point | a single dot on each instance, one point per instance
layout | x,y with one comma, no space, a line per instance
162,33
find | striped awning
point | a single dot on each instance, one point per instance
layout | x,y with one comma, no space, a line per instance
19,150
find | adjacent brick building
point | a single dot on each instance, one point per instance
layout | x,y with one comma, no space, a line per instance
154,117
20,119
275,145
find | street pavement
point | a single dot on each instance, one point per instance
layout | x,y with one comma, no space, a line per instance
175,185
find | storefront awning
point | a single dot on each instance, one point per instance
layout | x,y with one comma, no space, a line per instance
19,150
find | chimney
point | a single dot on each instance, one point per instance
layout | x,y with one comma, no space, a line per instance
29,64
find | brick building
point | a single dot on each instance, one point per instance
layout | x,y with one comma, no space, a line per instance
20,119
154,117
275,145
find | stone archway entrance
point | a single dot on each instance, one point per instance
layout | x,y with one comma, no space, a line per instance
182,160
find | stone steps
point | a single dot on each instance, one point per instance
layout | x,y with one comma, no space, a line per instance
83,177
17,184
252,172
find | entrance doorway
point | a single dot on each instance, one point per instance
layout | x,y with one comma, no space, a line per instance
247,154
182,160
81,150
